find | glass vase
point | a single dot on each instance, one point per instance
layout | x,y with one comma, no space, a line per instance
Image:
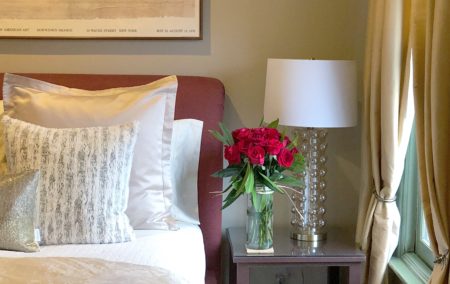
260,220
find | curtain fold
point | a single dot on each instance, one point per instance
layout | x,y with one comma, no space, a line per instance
387,122
431,49
400,30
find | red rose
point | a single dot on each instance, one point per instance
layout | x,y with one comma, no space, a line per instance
232,155
285,158
240,134
273,146
286,141
271,133
256,155
243,146
257,136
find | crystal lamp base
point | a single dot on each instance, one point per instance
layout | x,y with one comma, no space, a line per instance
308,221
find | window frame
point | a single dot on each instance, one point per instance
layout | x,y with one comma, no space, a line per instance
423,249
413,259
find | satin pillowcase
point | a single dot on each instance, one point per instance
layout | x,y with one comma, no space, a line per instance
84,178
186,141
17,204
50,105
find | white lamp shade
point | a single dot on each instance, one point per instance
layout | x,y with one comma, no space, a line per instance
311,93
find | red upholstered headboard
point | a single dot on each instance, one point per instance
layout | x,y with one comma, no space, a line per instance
200,98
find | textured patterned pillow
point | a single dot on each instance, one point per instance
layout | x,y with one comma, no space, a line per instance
83,189
17,204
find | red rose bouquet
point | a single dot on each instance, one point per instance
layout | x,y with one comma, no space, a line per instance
258,157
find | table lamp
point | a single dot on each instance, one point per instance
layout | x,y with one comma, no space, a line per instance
313,95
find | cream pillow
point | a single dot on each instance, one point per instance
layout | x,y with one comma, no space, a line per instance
17,207
153,105
84,178
186,141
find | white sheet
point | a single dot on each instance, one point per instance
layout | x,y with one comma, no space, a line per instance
181,252
78,270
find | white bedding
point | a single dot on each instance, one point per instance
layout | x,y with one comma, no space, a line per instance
78,270
181,252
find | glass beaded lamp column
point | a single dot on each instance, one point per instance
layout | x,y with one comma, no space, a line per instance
312,95
310,199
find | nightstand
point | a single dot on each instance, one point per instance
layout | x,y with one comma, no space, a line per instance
337,252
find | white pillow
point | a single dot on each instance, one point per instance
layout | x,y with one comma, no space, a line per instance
185,154
186,141
84,178
153,104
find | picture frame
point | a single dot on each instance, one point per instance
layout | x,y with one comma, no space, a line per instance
101,19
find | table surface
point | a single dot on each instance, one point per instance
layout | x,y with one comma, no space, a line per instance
338,247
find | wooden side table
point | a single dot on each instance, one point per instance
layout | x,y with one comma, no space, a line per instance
338,250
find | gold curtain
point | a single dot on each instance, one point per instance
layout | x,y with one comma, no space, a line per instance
387,121
431,49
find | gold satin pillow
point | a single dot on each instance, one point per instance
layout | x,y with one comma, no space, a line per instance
153,105
3,165
17,211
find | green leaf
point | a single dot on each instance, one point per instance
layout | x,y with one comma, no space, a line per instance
240,185
218,136
249,179
227,188
256,201
261,122
273,124
231,197
229,200
294,142
290,181
226,134
228,172
284,179
270,184
299,163
276,176
266,202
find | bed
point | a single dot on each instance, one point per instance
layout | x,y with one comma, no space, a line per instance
198,98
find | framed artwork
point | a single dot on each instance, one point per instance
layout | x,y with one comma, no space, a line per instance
108,19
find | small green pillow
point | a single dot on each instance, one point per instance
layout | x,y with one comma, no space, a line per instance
17,211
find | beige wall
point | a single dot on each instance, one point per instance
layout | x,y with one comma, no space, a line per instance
239,36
